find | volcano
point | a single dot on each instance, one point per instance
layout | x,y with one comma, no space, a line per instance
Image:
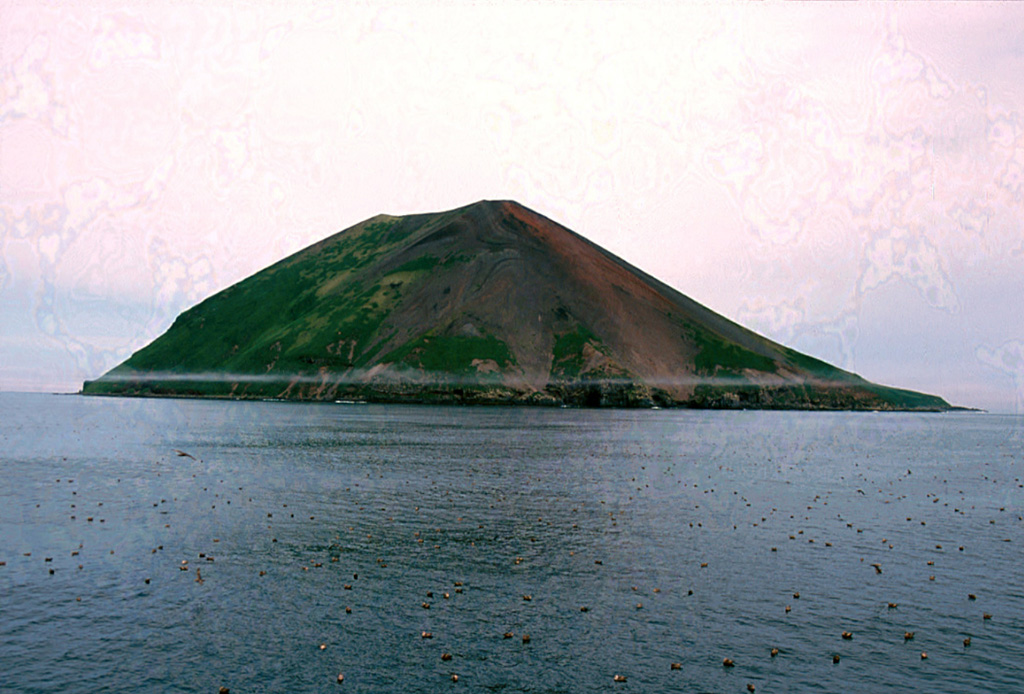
491,303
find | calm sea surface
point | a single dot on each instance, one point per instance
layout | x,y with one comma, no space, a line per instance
328,538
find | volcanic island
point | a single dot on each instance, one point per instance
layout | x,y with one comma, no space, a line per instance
491,303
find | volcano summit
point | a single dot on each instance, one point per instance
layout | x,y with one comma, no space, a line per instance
489,303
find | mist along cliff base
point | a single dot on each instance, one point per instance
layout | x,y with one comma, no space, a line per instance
490,303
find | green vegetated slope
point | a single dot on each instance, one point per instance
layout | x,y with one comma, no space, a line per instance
318,311
488,303
310,310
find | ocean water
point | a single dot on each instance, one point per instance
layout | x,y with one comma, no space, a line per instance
328,538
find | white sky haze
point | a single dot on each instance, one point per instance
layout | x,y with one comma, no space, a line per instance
847,179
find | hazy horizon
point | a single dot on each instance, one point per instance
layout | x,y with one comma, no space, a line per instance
847,180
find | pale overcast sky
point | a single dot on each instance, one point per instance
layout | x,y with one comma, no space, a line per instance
847,179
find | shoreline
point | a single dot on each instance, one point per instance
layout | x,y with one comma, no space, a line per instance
552,403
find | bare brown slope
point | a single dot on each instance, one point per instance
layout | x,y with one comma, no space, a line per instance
531,280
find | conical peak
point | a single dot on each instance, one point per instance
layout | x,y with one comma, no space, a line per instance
492,210
489,302
490,221
499,208
497,205
481,212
